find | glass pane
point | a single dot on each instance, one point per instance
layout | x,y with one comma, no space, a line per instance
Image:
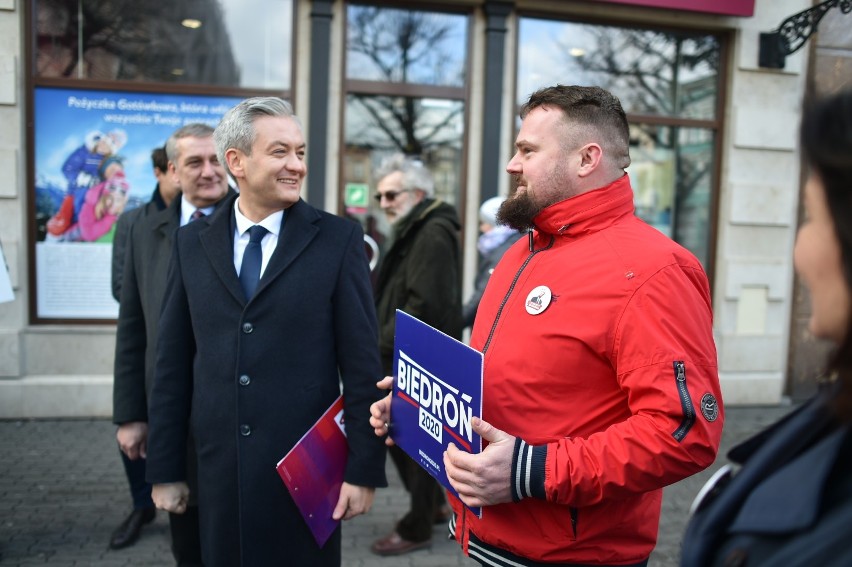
671,173
170,42
652,71
406,46
378,126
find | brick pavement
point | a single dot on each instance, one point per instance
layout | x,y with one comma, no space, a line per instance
62,492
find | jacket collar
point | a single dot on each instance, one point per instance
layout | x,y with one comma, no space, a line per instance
167,220
790,498
415,216
157,198
793,457
589,212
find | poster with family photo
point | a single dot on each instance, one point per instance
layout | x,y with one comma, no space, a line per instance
92,164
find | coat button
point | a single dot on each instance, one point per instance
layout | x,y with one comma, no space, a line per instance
245,380
245,430
247,328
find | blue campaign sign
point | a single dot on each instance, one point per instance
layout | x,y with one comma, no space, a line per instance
437,391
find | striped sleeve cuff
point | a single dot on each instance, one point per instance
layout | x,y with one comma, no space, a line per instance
528,470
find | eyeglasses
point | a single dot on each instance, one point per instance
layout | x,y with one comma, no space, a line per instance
389,195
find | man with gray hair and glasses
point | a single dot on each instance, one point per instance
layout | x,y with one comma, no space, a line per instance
268,311
421,275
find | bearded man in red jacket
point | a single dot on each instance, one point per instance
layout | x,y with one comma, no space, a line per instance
600,380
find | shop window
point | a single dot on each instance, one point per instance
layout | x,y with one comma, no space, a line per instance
208,42
110,81
669,84
406,46
405,93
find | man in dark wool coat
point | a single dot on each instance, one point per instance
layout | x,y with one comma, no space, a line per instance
268,312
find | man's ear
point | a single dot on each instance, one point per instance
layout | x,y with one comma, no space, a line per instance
171,171
235,160
591,156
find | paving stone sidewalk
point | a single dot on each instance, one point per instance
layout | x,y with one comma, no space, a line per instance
63,491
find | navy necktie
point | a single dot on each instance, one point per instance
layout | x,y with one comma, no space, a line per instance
252,259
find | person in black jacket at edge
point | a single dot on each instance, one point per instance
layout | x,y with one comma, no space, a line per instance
790,501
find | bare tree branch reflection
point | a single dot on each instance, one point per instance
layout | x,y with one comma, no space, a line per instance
666,73
403,46
131,40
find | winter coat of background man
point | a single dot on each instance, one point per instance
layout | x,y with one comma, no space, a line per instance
420,274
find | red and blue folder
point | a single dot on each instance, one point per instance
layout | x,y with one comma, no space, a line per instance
313,471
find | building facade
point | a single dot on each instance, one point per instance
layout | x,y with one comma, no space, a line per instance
91,83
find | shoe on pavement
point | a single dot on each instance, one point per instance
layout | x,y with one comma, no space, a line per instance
393,544
127,533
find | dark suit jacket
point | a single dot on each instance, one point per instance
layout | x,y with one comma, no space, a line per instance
253,376
122,233
148,247
119,247
146,261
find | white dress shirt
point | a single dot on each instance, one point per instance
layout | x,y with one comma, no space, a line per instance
272,224
187,208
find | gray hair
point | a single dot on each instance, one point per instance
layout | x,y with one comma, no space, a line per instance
193,129
236,130
415,175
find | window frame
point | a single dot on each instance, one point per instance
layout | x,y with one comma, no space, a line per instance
412,90
32,82
716,125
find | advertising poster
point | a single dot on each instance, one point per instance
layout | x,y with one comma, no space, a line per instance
437,391
93,163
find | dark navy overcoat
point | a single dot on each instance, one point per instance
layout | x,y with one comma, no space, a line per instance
251,377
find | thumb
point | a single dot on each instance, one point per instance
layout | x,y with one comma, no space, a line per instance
342,505
487,431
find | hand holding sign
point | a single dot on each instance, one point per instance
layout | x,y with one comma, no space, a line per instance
482,479
437,394
380,412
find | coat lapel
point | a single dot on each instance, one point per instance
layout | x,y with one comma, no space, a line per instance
299,229
167,221
218,243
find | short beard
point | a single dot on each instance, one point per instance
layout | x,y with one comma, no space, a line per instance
518,212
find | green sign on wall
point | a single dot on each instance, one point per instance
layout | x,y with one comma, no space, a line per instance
356,195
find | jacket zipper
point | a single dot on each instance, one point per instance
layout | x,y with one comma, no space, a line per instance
685,401
533,252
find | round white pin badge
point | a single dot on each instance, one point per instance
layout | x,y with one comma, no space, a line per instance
538,300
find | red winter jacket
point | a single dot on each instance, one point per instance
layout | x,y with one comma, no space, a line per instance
599,356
